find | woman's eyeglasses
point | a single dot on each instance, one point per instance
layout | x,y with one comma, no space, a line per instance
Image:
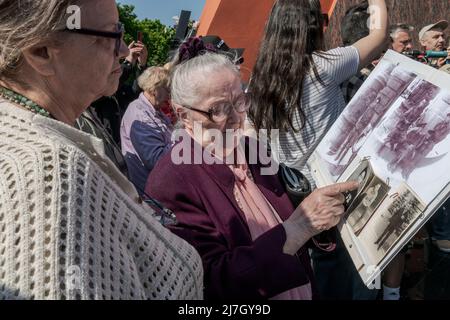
118,35
219,112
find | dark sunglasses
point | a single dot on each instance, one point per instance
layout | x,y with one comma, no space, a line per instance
118,35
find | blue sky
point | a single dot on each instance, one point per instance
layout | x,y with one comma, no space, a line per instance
164,10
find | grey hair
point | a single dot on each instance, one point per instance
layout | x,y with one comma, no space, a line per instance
394,29
26,23
188,78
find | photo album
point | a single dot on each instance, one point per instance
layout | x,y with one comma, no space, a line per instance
394,138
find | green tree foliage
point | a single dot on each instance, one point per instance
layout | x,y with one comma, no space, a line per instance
156,36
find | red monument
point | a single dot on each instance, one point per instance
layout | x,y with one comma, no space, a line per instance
241,22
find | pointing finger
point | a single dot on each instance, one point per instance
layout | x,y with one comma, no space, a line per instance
338,188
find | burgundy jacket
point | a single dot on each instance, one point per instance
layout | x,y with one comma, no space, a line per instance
209,218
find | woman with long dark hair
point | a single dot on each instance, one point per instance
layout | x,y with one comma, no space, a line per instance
295,82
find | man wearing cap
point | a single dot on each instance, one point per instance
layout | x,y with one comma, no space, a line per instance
432,37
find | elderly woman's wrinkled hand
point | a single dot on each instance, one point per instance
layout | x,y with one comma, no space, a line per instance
321,211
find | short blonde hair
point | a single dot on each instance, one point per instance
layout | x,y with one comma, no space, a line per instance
154,78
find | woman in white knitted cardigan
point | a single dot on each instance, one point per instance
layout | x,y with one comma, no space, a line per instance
71,226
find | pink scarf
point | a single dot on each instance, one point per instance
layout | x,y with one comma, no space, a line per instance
261,217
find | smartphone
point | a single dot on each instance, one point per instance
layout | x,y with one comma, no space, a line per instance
140,36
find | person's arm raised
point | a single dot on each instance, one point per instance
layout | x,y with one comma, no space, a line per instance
371,47
320,211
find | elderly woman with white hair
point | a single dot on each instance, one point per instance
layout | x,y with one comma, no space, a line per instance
146,131
71,225
252,240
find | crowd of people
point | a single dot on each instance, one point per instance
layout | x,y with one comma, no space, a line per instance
94,202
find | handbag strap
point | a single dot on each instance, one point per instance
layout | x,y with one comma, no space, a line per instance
295,179
166,217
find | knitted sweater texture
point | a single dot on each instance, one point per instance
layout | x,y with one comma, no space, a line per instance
71,225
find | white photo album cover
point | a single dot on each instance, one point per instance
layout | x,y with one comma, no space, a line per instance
393,137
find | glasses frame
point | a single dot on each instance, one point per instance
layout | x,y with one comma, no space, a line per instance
210,111
118,35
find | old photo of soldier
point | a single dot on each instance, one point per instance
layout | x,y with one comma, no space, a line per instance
400,214
363,202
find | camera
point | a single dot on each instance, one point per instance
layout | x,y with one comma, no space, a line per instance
436,54
425,56
413,53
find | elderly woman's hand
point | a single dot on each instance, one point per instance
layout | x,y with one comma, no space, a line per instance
321,211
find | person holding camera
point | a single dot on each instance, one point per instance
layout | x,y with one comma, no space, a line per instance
138,55
132,67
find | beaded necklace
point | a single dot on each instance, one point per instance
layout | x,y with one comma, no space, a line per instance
24,102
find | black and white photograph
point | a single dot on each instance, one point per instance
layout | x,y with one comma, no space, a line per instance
399,211
363,202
